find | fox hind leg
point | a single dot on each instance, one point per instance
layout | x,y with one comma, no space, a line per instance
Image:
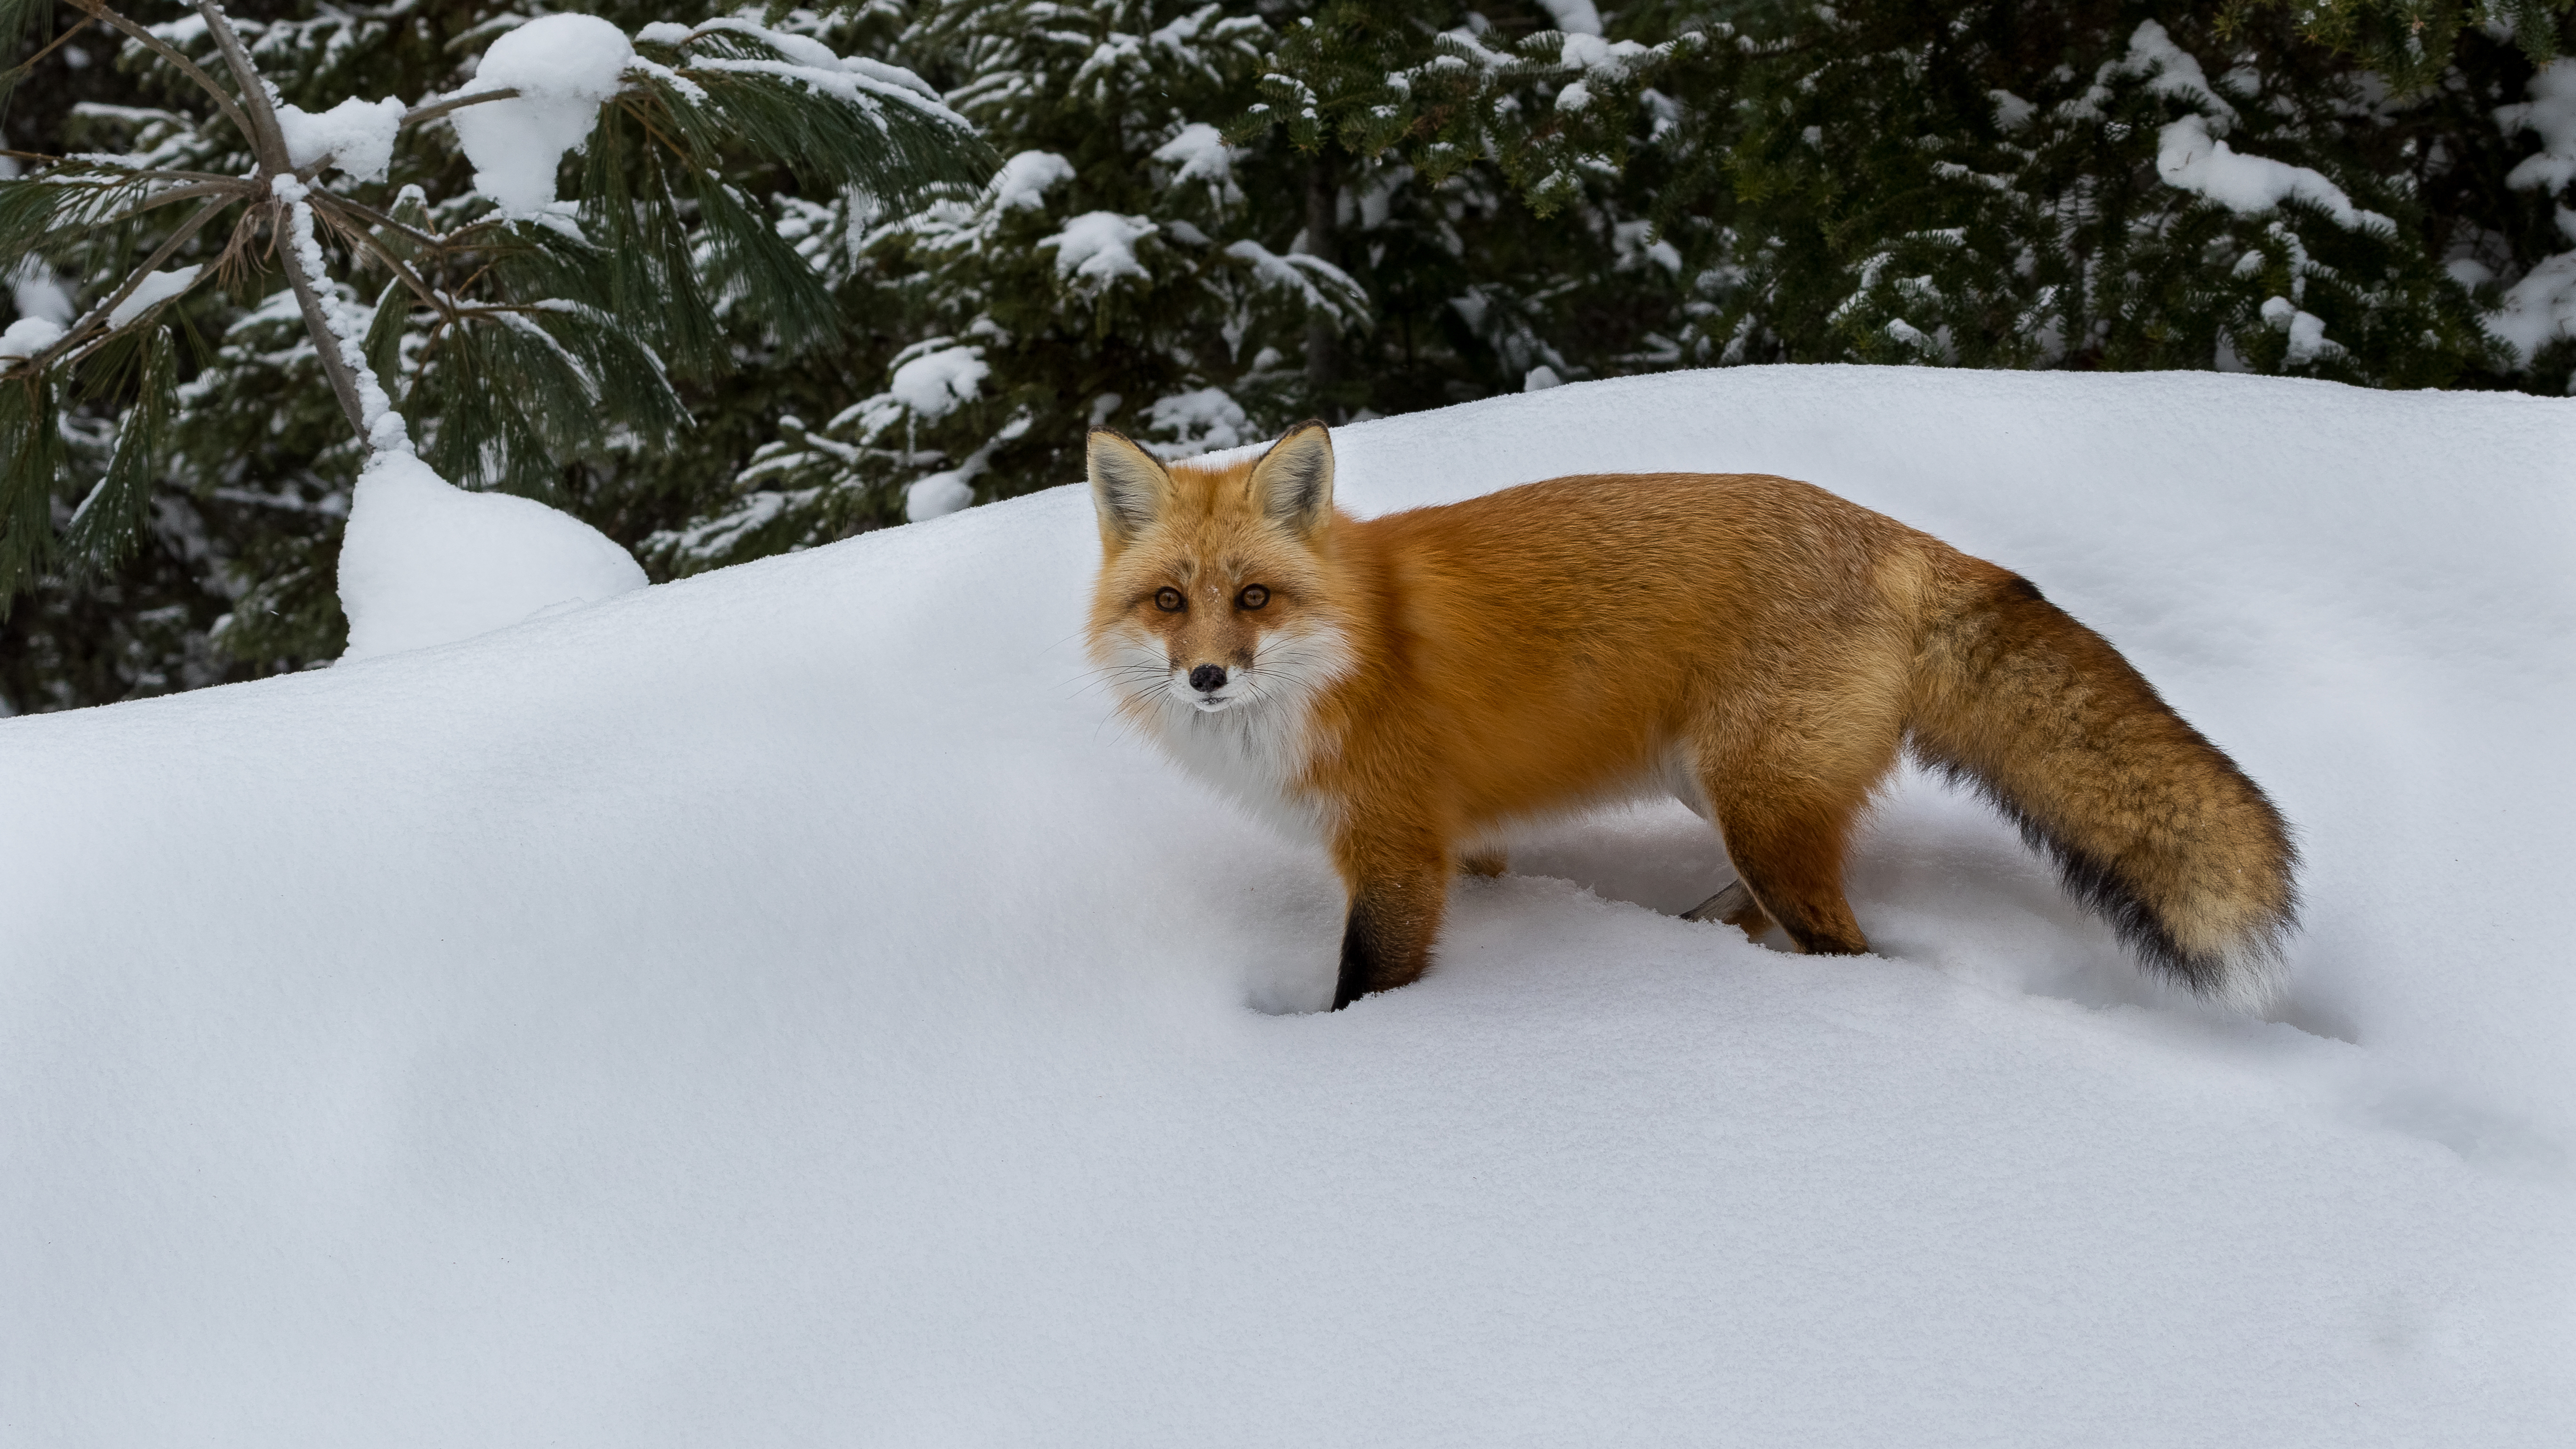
1786,809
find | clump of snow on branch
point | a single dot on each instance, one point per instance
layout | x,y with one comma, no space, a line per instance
1199,421
427,563
29,335
356,136
1200,154
151,292
1098,247
1025,179
2190,159
2551,113
935,383
564,67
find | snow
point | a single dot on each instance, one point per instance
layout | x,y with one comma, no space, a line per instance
152,291
2308,340
2551,112
1098,247
2539,309
1198,153
2190,159
1202,420
358,136
934,384
424,562
36,291
565,67
782,1007
30,335
1574,17
1023,181
2171,71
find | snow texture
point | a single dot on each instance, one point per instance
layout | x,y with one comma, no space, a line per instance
357,135
2539,309
427,563
2190,159
783,1007
934,384
30,335
565,67
2308,340
1574,17
1025,179
1098,247
1202,420
152,291
2551,113
36,292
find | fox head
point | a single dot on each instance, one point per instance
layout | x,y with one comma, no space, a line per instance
1215,592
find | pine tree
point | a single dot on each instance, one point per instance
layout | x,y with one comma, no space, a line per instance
518,333
2091,186
1176,248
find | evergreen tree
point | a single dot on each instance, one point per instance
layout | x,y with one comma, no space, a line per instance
519,333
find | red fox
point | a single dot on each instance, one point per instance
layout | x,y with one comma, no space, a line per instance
1407,688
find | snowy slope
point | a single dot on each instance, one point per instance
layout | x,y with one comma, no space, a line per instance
780,1007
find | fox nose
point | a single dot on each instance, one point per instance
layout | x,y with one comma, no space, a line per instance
1208,678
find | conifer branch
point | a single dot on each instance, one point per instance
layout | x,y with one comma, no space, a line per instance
98,10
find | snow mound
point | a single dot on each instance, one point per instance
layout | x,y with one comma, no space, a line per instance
564,67
783,1007
424,562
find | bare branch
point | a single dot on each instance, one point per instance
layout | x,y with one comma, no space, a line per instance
436,109
345,220
268,142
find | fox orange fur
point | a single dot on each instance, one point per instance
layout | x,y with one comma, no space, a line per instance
1407,688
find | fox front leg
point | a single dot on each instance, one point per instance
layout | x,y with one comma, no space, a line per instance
1396,899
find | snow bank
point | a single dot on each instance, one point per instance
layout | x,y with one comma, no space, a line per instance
780,1007
426,563
564,67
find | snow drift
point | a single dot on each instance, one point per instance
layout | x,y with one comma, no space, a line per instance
781,1007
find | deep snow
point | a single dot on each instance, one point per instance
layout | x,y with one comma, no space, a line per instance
781,1007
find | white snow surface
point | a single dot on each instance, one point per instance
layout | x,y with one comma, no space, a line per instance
424,562
565,67
357,135
783,1007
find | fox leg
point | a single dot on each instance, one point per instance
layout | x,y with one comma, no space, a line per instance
1398,889
1786,807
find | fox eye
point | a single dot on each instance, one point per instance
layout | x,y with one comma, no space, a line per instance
1253,596
1169,600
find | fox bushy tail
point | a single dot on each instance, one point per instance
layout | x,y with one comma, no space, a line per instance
2149,823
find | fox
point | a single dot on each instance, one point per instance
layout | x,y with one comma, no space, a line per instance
1409,689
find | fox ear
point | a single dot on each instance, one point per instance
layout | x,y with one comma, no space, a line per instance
1293,482
1128,485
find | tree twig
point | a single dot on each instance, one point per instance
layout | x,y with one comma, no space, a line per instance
436,109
